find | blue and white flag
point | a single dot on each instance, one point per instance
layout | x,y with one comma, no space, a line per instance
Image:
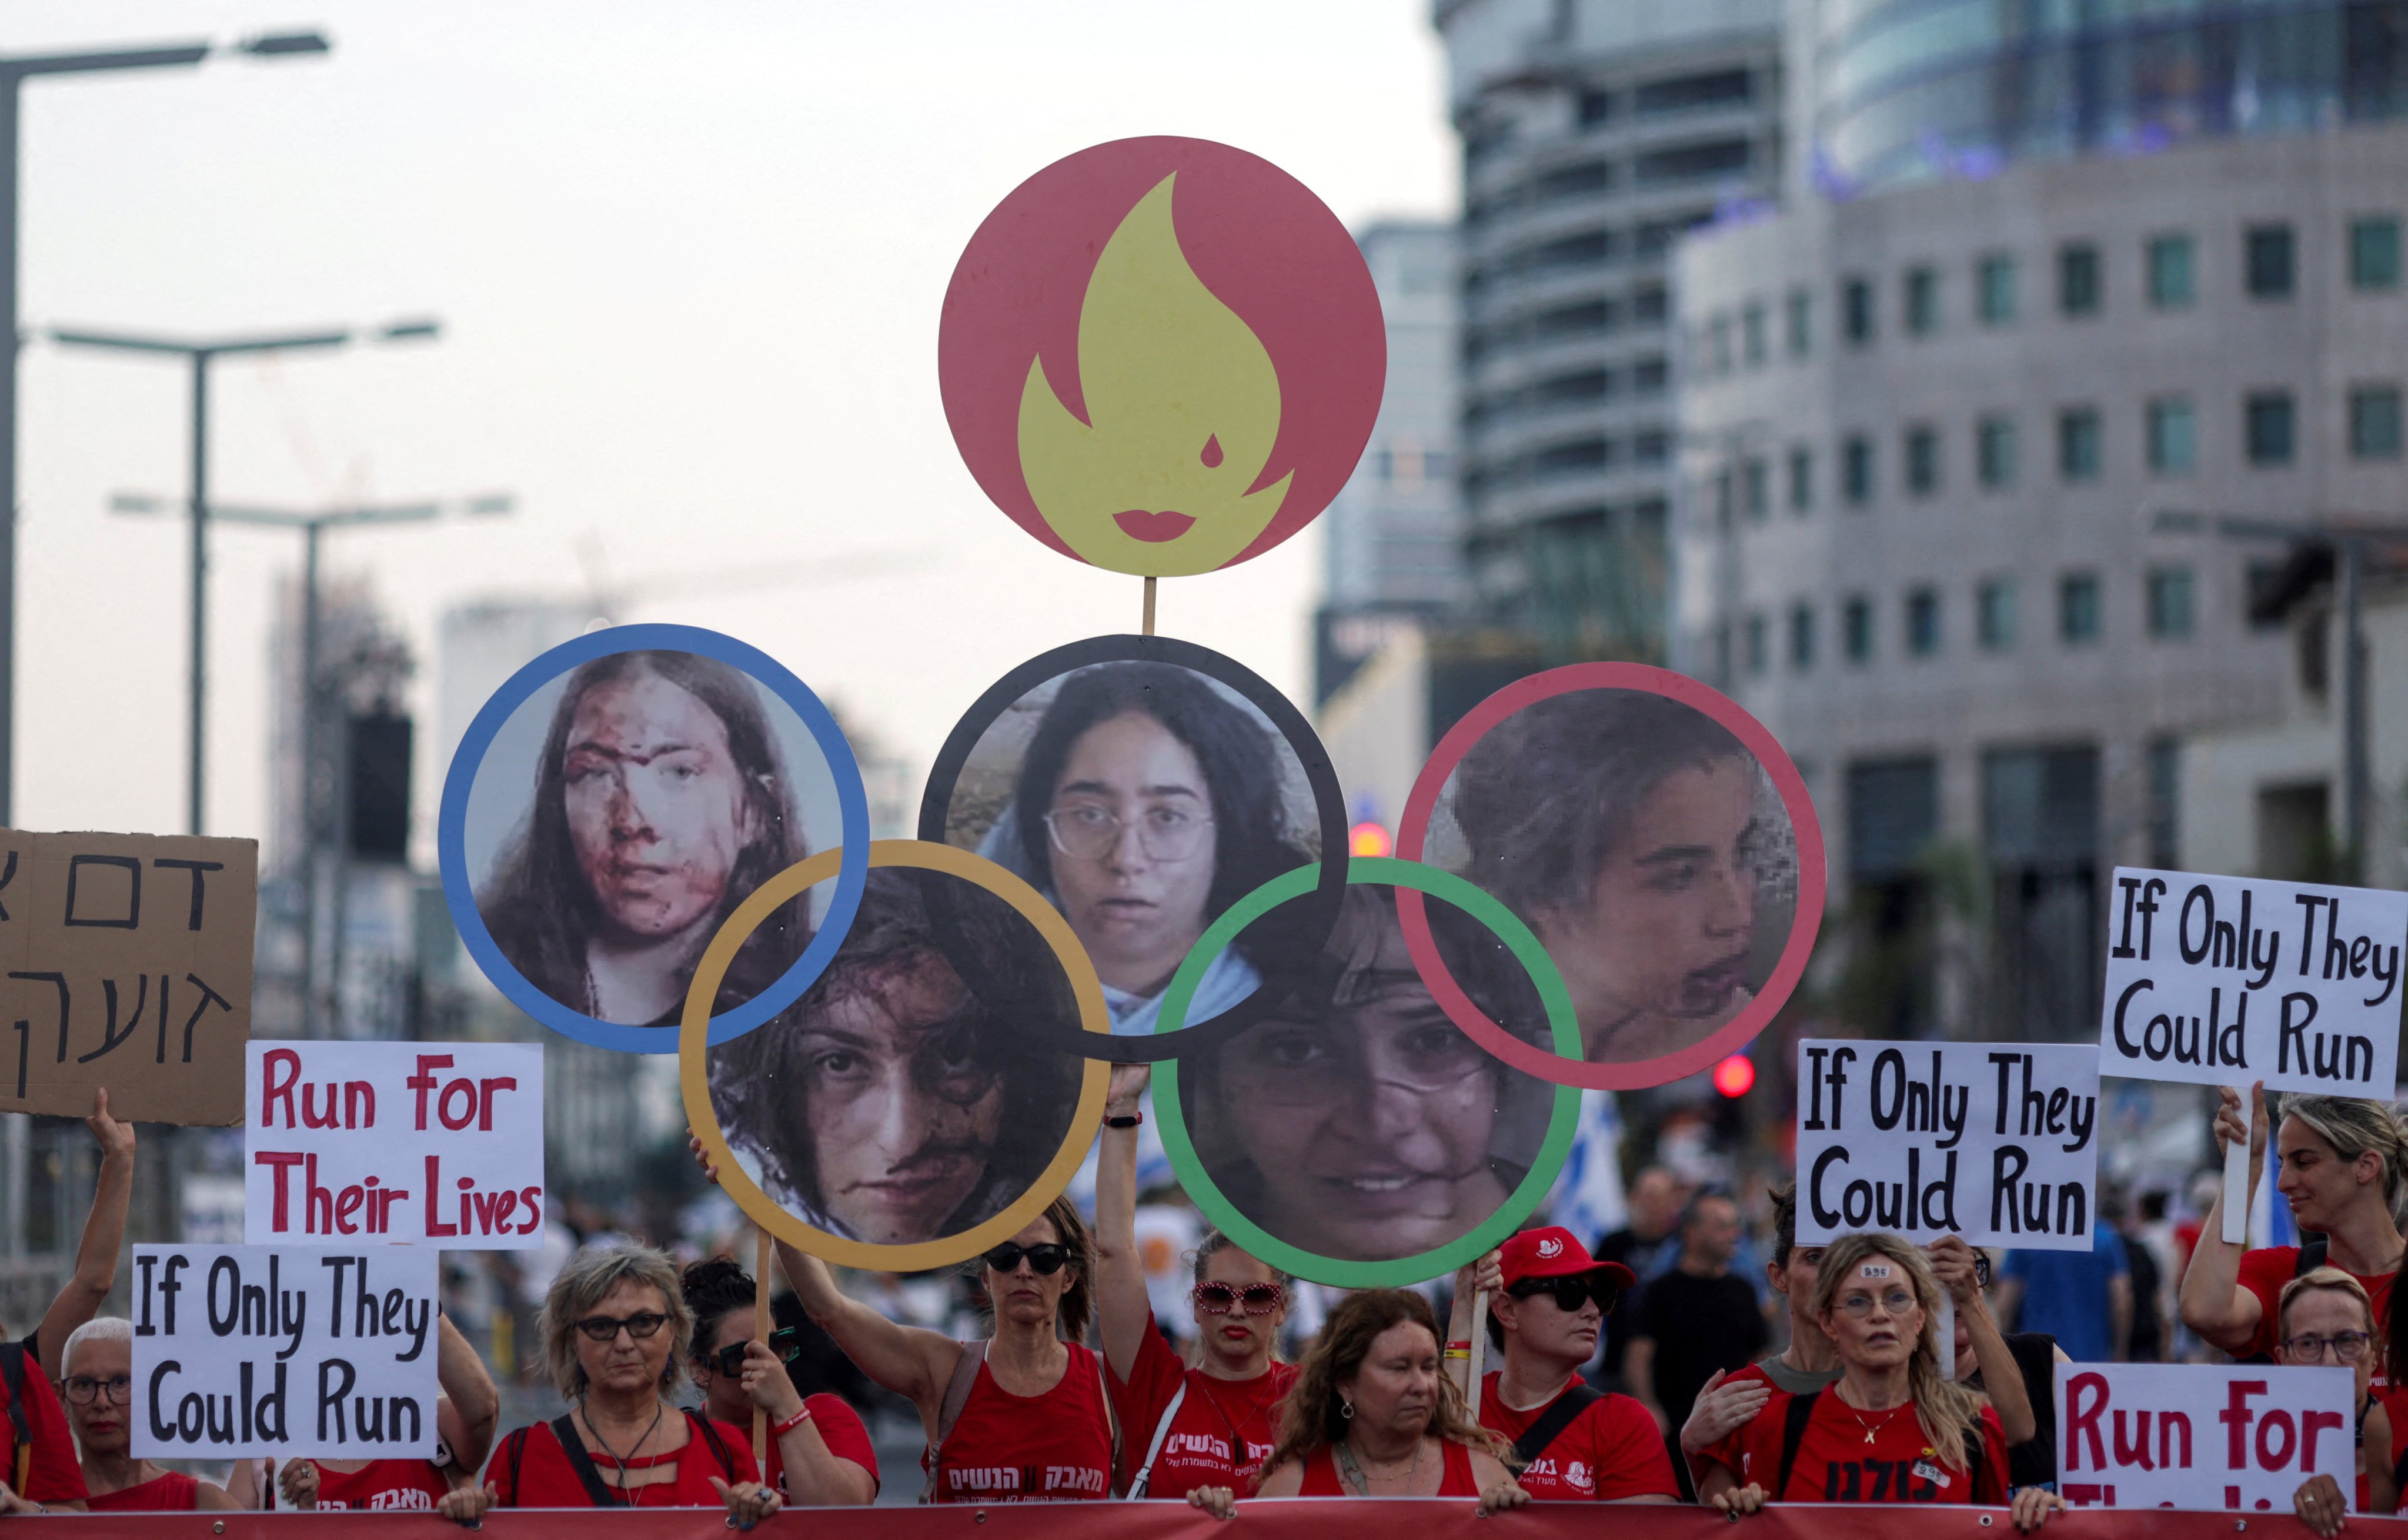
1588,1199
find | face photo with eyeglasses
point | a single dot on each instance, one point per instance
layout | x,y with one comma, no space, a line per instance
1356,1121
908,1094
1143,799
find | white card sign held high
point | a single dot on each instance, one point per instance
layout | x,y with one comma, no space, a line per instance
277,1351
1995,1142
2239,1437
2223,980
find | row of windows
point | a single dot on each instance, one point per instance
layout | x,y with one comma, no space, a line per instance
1646,305
1663,167
1584,249
1569,392
2169,597
1701,91
1570,457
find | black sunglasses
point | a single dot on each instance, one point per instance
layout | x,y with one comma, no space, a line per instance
1571,1293
1044,1260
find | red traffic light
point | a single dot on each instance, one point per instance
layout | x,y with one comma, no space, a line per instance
1369,838
1735,1075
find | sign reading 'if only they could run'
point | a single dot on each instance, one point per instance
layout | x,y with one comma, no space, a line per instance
2223,980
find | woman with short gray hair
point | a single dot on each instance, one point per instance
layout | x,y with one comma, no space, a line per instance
615,1332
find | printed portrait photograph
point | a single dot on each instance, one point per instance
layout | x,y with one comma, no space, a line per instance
909,1094
1142,799
1646,846
1356,1121
624,811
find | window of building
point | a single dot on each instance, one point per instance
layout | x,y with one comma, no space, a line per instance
1686,92
2080,283
2165,802
1923,622
1650,303
1752,342
2374,252
1650,374
1572,181
2078,619
1651,446
1756,492
2173,435
1755,643
2374,423
2170,607
1856,469
1994,281
1719,345
1994,615
1690,162
1923,459
1802,637
2267,423
2267,261
2172,285
1922,301
2079,452
1595,106
1802,479
1994,453
1856,311
1801,318
1856,629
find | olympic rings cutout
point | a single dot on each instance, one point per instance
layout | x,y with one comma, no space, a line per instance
694,1069
1349,1273
459,894
1329,806
1574,1070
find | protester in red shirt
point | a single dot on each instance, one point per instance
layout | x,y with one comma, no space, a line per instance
2326,1319
1890,1429
2344,1167
464,1414
1548,1299
1191,1431
819,1453
615,1335
97,1374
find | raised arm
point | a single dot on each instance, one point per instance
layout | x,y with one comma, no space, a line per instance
1952,1263
1472,1279
2214,1303
908,1361
469,1408
104,1235
1121,1307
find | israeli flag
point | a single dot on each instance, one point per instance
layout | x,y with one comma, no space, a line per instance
1588,1199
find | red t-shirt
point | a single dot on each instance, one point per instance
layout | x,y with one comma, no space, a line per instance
1725,1451
1040,1448
170,1491
1836,1464
54,1475
1321,1477
382,1485
1224,1430
841,1427
544,1479
2264,1273
1611,1450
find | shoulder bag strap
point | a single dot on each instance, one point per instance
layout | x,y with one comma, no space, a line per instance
1793,1434
517,1454
564,1428
1144,1476
1973,1453
701,1426
2314,1247
1577,1398
949,1411
1111,1416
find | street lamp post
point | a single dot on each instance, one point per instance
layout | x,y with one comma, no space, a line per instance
14,72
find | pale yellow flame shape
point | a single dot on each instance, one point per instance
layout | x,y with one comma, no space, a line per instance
1166,369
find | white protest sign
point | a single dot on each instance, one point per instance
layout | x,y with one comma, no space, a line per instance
282,1350
2195,1435
1995,1142
440,1144
2223,980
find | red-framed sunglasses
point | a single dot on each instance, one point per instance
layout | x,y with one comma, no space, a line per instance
1259,1299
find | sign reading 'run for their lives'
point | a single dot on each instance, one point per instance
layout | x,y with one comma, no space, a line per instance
2240,1437
440,1144
2223,980
283,1351
1995,1142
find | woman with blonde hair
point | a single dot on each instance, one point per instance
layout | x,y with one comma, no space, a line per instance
1371,1415
1890,1429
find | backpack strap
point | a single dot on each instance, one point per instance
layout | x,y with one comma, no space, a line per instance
1144,1476
2314,1247
1974,1450
1793,1434
1577,1398
949,1411
710,1435
12,1373
515,1450
603,1494
1111,1416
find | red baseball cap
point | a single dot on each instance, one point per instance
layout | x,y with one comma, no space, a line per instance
1555,1252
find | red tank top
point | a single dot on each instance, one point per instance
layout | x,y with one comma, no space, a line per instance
1321,1477
1041,1448
170,1491
382,1485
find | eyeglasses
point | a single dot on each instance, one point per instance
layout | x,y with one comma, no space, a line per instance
642,1325
1092,834
1896,1299
1570,1294
1980,1270
1044,1260
83,1390
2347,1348
726,1361
787,1343
1259,1299
1317,1063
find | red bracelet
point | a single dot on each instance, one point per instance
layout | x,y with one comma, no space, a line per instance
1464,1346
802,1415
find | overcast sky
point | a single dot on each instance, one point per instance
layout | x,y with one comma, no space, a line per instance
689,258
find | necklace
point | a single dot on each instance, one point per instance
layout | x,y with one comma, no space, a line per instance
1240,1456
1873,1432
622,1460
1361,1483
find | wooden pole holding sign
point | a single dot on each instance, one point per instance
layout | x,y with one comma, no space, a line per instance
1947,1354
2237,1196
1479,1350
1149,606
761,1258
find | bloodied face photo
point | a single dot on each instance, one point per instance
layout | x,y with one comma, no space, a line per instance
909,1095
622,812
1646,846
1356,1121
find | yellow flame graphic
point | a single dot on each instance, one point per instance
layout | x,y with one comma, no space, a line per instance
1182,407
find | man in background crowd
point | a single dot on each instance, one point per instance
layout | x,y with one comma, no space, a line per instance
1643,1246
1695,1319
2083,1299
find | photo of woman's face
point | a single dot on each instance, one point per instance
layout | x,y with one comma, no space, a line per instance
1131,844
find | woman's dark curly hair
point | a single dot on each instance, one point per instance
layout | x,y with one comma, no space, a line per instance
538,905
760,1083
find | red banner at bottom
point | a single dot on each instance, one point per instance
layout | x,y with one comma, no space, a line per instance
1307,1519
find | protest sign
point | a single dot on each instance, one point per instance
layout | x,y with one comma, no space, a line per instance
440,1144
283,1350
126,962
1995,1142
2223,980
2197,1435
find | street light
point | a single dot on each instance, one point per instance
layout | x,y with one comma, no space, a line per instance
14,72
201,355
317,816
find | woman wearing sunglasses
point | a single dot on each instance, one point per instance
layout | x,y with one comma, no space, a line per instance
1206,1430
615,1333
2326,1317
464,1429
819,1454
